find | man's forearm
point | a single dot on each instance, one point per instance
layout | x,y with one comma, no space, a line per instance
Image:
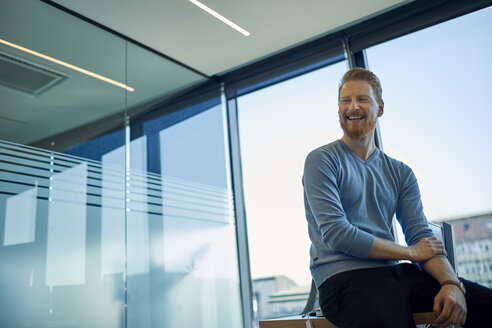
383,249
423,250
440,268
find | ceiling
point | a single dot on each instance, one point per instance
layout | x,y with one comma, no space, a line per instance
175,28
181,30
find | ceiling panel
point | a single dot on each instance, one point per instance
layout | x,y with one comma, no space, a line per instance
181,30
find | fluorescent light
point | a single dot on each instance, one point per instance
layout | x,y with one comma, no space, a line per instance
219,16
75,68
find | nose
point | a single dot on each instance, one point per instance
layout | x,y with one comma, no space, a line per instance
354,105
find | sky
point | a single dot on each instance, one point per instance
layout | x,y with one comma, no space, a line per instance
436,86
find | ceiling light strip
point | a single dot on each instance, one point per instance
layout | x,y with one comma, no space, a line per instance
62,63
220,17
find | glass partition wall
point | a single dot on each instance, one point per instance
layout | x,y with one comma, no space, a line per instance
115,191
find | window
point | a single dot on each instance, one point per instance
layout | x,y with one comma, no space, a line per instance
436,84
278,127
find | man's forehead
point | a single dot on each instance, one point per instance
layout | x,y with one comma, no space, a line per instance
359,87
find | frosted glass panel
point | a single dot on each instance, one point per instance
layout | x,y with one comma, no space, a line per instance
113,213
193,268
20,217
57,269
65,262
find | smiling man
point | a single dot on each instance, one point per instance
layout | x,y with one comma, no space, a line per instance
352,191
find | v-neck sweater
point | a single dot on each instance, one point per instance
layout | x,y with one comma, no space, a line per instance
349,201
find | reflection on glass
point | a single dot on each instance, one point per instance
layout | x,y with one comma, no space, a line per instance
433,121
182,259
194,168
193,281
77,99
138,228
65,260
154,77
20,213
113,213
194,149
203,274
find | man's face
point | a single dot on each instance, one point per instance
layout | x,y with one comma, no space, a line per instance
358,109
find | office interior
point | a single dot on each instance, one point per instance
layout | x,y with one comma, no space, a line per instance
121,178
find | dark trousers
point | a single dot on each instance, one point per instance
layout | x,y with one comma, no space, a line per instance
387,297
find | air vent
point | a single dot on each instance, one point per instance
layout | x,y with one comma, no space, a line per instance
27,78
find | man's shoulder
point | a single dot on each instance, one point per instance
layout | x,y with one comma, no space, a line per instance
329,149
396,163
326,156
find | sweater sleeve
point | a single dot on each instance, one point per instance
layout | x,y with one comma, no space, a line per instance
409,211
324,205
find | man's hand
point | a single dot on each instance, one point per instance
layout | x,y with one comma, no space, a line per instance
426,248
450,306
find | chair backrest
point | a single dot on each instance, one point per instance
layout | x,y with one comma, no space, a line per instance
445,232
311,299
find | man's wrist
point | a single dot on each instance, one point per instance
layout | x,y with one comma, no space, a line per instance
410,254
458,284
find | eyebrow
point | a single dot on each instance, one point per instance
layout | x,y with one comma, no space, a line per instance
357,96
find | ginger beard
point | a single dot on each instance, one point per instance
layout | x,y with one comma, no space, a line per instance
357,131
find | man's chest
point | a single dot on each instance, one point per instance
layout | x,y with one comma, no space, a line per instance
362,185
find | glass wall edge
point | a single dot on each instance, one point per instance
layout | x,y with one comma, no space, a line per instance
246,288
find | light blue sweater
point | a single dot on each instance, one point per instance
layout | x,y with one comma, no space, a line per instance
349,201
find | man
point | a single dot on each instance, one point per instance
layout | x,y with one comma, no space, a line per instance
352,191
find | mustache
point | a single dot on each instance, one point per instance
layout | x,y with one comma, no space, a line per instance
359,131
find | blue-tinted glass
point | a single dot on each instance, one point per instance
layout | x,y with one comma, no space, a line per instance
181,246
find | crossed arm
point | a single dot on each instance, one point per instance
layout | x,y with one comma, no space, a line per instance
449,303
423,250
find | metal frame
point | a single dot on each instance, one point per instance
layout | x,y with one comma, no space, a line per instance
240,213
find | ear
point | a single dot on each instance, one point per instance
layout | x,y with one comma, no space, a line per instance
381,109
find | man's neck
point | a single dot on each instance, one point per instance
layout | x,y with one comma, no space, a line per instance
363,147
